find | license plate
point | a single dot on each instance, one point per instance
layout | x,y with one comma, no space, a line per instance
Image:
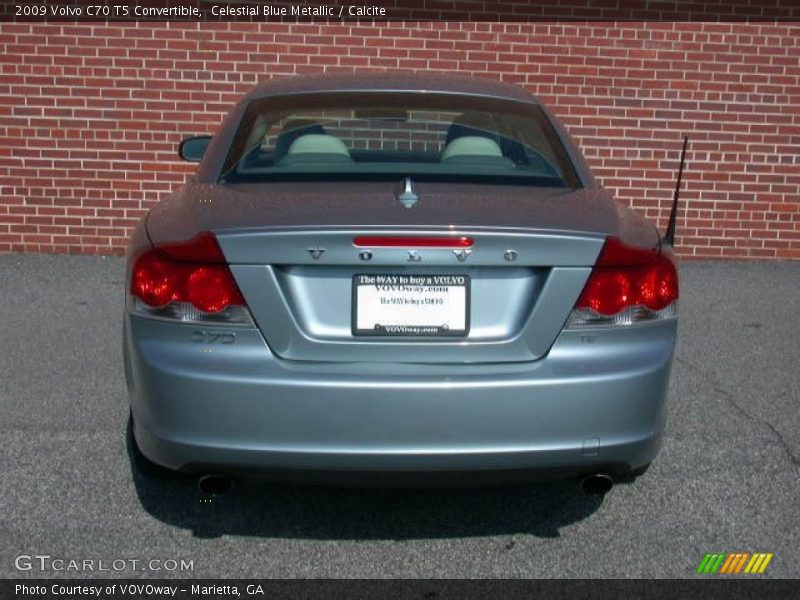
411,305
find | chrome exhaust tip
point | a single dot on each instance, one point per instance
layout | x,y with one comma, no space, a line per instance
597,484
215,485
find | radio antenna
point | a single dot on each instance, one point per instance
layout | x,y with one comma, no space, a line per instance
669,236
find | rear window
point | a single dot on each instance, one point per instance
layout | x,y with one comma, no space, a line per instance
330,137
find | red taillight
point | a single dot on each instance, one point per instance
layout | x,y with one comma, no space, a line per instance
202,248
155,280
193,271
658,287
386,241
212,288
607,292
626,276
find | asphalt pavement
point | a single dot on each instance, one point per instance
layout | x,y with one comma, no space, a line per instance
727,479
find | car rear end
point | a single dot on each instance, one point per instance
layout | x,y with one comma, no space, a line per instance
536,336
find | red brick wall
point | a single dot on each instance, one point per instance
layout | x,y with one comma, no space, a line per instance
90,114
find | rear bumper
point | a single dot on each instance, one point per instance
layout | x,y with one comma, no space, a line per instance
593,402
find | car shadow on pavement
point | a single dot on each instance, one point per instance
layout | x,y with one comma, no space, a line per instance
262,509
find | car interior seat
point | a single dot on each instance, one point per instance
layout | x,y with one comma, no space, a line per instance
293,129
475,125
316,147
477,150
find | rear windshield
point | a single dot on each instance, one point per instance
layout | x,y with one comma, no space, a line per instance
331,137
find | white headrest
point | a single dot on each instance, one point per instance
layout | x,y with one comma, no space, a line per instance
472,145
318,143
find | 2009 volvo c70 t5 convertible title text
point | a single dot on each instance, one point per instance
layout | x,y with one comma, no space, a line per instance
390,275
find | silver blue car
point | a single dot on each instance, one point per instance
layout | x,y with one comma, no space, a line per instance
396,275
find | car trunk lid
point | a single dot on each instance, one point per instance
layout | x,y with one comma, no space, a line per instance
293,252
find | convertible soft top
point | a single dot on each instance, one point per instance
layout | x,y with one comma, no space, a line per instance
399,81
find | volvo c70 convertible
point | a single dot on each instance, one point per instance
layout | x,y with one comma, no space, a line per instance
392,275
